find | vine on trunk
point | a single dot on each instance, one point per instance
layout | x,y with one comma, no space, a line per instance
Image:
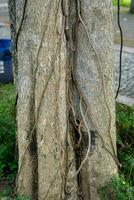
84,107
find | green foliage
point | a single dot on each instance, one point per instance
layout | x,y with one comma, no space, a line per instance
122,188
117,189
6,191
8,164
125,140
125,3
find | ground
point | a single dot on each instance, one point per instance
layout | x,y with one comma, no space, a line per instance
127,78
127,82
127,25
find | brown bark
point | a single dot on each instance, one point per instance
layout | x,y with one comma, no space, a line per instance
95,74
66,94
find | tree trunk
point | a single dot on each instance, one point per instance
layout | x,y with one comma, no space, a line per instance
65,108
132,6
96,81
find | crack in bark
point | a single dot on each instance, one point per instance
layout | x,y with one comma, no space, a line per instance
21,24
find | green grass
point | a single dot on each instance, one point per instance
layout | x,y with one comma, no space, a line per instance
8,157
125,3
7,131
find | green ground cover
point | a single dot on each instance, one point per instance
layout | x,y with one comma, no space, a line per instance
122,188
7,130
8,161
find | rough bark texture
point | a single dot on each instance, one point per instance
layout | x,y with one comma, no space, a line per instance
65,93
96,79
42,101
12,14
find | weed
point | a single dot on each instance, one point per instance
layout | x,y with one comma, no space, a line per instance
125,140
117,189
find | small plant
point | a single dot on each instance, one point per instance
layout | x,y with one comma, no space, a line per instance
125,140
117,189
122,187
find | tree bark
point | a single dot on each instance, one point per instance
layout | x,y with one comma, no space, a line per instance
95,74
65,108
